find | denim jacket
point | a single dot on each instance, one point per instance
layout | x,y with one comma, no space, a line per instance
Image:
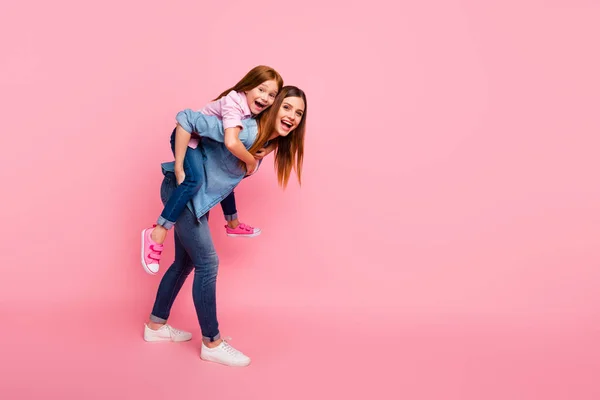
221,169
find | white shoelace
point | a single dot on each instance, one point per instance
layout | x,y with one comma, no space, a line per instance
229,348
174,331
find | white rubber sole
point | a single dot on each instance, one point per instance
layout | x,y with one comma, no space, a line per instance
150,338
217,361
255,234
158,339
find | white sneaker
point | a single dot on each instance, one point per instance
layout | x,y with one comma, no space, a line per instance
165,333
224,354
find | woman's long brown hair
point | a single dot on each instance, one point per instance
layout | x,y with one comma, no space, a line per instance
255,77
289,150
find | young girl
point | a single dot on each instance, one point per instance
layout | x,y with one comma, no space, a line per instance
253,94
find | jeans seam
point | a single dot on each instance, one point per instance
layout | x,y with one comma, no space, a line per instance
205,305
172,294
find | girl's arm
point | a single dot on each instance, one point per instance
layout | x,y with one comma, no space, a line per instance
232,111
237,148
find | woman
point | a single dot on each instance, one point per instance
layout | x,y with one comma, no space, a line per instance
281,129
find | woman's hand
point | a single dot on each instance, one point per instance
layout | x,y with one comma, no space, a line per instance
262,153
179,175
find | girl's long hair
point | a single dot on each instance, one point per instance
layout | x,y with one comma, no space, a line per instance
254,78
289,150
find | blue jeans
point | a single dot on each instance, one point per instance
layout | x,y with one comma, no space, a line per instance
194,250
186,190
229,208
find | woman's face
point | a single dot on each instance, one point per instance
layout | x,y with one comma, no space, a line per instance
289,115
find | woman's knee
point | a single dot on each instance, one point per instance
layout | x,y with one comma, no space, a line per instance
207,265
183,266
210,261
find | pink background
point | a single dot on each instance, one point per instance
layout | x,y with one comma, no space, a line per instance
444,244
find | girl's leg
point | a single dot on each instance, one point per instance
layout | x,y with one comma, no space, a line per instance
193,167
230,210
234,228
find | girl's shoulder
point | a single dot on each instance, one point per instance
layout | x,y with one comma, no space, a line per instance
236,96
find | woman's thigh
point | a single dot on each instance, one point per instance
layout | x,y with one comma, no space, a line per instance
194,235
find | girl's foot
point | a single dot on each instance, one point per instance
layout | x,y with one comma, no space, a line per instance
166,333
242,230
151,252
224,354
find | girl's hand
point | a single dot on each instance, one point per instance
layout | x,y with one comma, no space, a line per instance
251,167
179,175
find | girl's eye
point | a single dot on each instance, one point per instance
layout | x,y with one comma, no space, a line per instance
272,95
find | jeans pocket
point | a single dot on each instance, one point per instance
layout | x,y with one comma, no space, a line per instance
167,187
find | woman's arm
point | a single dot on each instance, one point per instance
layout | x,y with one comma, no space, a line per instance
207,126
182,139
212,127
196,122
269,149
265,151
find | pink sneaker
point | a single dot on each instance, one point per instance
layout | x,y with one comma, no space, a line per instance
242,230
151,252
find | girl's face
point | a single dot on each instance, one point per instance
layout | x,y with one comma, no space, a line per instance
261,97
289,116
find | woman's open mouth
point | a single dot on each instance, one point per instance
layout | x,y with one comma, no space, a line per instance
286,125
